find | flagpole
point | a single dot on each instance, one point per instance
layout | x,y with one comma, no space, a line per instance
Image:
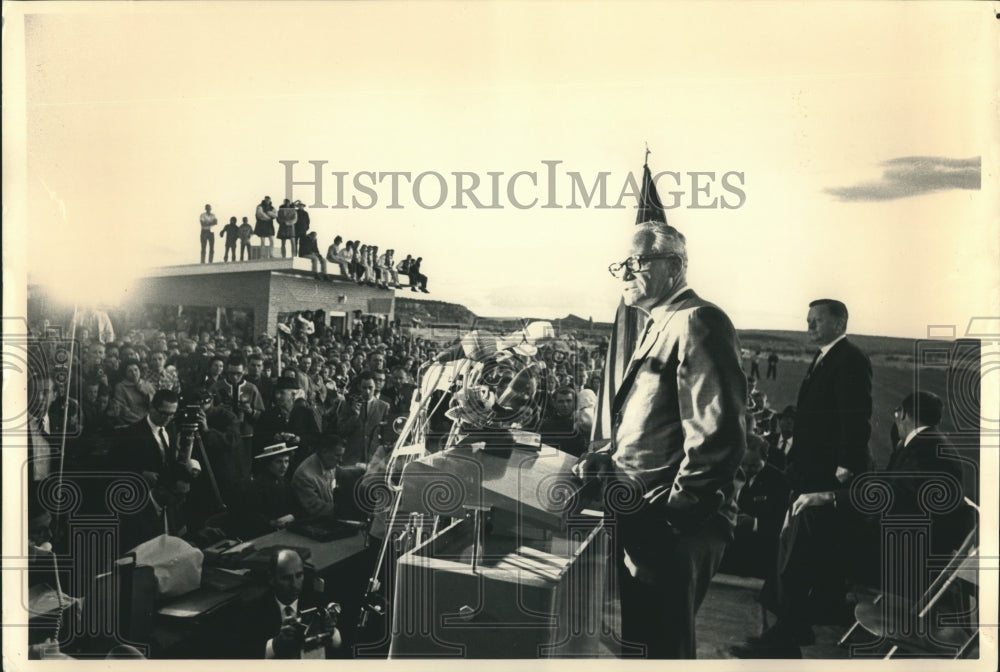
628,321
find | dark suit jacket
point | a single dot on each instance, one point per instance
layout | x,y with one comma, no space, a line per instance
272,421
679,415
366,436
135,448
263,620
832,420
562,433
754,552
775,457
766,499
910,469
266,497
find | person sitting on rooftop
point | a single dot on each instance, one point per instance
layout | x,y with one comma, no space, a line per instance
335,255
308,249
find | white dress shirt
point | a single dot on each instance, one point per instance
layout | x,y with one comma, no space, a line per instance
826,348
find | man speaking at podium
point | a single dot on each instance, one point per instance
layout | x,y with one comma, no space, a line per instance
672,469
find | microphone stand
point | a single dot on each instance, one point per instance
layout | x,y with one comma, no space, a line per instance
373,603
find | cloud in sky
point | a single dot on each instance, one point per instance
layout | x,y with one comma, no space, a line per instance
913,176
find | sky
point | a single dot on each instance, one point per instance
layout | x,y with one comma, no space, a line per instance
860,139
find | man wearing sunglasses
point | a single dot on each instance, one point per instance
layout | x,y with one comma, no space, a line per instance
678,440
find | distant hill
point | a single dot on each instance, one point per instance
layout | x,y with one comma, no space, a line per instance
442,312
788,344
795,344
432,312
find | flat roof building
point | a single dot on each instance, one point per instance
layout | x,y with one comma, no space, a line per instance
263,287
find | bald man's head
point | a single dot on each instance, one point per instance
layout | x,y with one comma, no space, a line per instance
287,575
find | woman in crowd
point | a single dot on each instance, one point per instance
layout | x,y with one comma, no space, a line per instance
287,216
265,226
269,502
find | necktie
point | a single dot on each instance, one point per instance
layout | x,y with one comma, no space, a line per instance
783,445
364,411
814,362
289,612
164,443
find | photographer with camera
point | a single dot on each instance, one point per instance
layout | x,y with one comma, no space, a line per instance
149,445
239,396
289,622
370,415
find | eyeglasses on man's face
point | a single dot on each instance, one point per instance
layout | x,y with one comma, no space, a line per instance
635,264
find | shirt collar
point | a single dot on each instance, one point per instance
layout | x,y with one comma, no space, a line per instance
281,605
658,311
154,427
909,437
826,348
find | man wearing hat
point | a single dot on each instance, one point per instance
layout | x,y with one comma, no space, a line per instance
301,222
274,423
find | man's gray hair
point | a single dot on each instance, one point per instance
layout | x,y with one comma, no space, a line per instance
663,238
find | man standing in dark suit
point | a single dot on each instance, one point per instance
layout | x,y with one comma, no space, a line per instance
365,437
149,445
834,408
830,446
678,440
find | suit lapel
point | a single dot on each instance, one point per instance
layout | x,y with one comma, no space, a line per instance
640,355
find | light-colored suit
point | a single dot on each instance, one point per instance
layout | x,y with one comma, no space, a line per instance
678,440
679,416
313,487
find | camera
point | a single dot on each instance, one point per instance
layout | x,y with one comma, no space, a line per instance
187,417
315,625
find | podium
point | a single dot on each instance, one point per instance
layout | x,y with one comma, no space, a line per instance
516,573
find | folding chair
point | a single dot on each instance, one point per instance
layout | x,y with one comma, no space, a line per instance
935,632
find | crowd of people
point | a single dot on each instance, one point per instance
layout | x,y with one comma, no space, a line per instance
236,438
358,262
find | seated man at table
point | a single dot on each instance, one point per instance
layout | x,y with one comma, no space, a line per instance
274,628
315,480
